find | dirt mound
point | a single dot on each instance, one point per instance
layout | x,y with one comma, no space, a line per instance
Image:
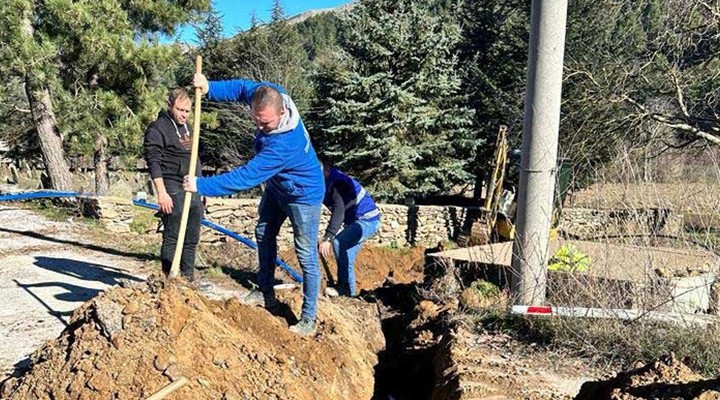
666,378
127,343
374,265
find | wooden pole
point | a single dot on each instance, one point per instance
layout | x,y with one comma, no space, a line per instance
175,268
173,386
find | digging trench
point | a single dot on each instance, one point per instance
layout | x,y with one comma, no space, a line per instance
405,369
413,324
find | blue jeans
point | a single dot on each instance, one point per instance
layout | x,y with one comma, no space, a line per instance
305,220
346,246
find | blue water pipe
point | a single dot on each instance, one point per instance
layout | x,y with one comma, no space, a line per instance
45,194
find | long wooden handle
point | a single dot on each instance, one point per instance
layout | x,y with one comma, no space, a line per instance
175,268
175,385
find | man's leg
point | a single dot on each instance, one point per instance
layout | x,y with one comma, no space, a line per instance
305,221
192,238
171,229
271,219
346,246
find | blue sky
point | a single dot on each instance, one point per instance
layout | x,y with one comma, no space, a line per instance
237,13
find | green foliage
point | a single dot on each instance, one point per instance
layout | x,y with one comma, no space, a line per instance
403,95
106,73
569,259
485,288
391,111
493,59
319,33
16,127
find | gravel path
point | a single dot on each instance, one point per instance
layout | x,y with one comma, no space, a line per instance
47,269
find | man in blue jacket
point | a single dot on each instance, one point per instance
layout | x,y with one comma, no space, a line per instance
350,204
286,162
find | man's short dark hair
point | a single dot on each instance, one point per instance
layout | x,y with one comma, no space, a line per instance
177,94
265,96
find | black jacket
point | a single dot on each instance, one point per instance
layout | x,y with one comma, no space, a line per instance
164,152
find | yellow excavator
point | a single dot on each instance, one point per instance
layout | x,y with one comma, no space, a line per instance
493,222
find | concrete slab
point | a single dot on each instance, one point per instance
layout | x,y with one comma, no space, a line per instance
610,261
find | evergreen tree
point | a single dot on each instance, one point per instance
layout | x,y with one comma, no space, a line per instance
210,40
392,115
493,59
17,130
78,54
319,32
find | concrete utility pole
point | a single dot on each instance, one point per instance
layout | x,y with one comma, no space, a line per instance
539,151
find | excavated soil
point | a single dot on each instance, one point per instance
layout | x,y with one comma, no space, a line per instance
374,266
493,365
129,342
667,379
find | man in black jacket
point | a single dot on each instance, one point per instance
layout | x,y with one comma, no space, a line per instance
167,151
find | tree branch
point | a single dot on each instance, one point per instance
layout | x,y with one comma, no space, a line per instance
679,93
670,123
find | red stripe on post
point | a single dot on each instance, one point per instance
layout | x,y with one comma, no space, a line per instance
539,310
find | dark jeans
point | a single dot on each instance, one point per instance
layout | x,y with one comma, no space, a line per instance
171,223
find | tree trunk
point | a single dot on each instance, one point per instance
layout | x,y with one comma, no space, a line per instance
102,185
48,133
38,95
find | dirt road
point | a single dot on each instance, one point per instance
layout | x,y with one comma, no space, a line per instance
46,271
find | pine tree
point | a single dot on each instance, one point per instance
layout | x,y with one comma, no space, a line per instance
392,114
319,33
493,57
91,73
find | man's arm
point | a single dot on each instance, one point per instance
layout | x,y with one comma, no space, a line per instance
154,151
260,168
154,146
337,214
164,200
239,90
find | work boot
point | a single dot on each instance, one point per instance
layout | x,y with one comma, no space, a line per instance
260,298
331,292
343,289
304,327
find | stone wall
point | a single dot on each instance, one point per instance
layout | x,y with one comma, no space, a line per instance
588,223
407,225
115,213
401,225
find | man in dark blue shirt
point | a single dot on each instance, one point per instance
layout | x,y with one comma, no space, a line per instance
349,203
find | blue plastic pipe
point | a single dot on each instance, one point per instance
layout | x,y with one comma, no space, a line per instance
54,194
233,235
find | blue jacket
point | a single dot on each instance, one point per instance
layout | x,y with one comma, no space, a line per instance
284,158
348,202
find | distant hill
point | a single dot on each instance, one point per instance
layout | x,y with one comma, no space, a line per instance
296,19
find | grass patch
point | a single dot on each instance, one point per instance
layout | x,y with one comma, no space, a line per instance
144,221
53,210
